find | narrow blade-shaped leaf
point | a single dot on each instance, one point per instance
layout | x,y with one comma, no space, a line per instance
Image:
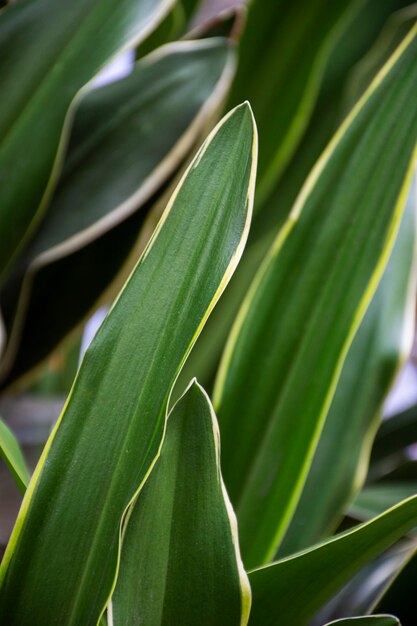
47,44
368,620
306,303
180,561
315,575
62,556
139,131
382,343
13,457
281,64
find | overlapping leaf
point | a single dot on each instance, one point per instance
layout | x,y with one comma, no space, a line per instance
128,140
315,575
46,57
284,356
12,455
383,340
62,556
188,569
370,620
281,63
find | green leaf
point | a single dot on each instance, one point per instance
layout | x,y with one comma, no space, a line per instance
369,620
356,35
183,510
138,132
52,66
281,63
374,499
63,553
12,455
315,575
383,341
284,355
395,435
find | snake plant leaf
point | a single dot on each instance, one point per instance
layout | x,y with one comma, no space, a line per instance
168,30
368,620
63,553
329,257
355,36
374,499
364,591
383,341
401,594
13,457
138,132
48,45
183,509
281,63
395,435
316,574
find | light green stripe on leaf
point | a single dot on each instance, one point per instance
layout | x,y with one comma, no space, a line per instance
138,131
47,44
287,347
382,343
12,455
315,575
180,561
62,556
368,620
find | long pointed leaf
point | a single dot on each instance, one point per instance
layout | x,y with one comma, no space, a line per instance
382,343
62,556
138,131
306,303
12,455
369,620
180,561
315,575
46,57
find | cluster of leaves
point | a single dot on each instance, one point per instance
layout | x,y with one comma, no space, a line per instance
126,519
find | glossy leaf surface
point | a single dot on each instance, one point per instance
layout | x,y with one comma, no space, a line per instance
383,341
329,257
188,569
109,434
316,574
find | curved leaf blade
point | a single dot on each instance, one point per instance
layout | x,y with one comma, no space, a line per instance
369,620
110,431
382,343
13,457
53,65
138,132
318,573
329,257
183,509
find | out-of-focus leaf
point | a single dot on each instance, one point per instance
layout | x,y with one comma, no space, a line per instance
284,356
401,595
353,40
383,341
374,499
395,435
282,58
137,131
369,620
12,455
228,23
47,45
363,591
62,557
180,560
397,27
316,574
168,30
